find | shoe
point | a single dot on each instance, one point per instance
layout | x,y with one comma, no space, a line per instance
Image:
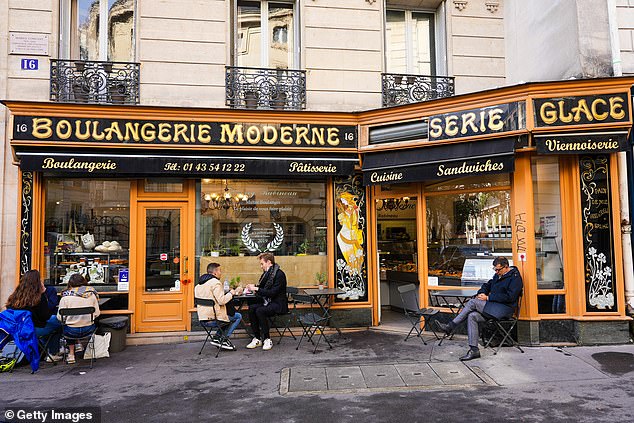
70,359
50,358
227,345
470,355
215,341
78,347
254,343
446,327
268,344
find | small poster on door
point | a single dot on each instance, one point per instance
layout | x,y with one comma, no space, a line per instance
123,281
163,256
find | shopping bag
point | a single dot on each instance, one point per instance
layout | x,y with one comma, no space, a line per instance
102,343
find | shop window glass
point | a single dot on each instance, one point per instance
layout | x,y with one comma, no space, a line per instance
410,42
551,304
87,231
548,236
465,231
469,182
163,185
277,48
237,220
100,30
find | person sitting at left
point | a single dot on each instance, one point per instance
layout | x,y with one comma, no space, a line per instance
77,295
30,294
209,287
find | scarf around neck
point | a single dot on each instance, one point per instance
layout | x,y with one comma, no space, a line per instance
81,291
267,278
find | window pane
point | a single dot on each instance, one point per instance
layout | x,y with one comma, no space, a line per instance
395,48
120,30
239,219
88,29
548,237
162,250
87,230
464,233
281,43
551,304
248,38
470,182
422,46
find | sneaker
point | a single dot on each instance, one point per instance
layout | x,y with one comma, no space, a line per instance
78,347
254,343
268,344
215,341
70,359
227,345
50,358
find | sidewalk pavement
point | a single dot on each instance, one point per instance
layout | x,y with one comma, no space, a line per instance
367,376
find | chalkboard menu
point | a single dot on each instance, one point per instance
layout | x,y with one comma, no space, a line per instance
598,243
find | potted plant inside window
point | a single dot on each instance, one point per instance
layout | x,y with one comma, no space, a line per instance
234,282
303,248
320,277
215,247
321,246
235,249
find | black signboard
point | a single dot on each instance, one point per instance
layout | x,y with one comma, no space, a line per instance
211,166
581,143
466,123
183,133
581,110
598,242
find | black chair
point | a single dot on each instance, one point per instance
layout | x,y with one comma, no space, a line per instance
311,322
502,328
8,360
288,317
79,311
414,313
43,342
210,325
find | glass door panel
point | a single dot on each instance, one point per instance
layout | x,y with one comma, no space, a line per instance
162,250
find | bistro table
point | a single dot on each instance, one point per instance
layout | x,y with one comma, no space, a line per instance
239,302
323,298
454,299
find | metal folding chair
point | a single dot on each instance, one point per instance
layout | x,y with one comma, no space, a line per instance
210,325
79,311
503,327
287,317
311,322
414,313
7,361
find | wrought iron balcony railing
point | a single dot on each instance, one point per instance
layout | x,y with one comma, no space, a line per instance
82,81
261,88
400,89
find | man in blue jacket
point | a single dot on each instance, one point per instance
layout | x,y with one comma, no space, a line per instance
497,298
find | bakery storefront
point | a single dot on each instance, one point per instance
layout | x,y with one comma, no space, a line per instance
527,172
140,200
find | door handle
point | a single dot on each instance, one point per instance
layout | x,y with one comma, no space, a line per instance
185,265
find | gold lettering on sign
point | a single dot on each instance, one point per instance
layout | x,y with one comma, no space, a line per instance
229,134
297,167
90,166
488,166
554,145
550,113
42,128
385,177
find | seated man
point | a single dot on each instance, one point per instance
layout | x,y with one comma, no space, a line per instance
496,298
270,300
210,288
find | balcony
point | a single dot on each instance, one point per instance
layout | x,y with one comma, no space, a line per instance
397,89
81,81
262,88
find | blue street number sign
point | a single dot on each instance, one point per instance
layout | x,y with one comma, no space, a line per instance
30,64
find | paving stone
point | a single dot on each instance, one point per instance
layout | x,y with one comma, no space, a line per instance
381,376
307,379
418,374
455,373
345,378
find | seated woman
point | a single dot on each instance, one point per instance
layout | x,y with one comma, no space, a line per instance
78,294
30,295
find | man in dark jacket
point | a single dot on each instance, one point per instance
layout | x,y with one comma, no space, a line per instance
270,300
497,298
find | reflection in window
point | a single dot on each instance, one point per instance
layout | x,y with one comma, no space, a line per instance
237,220
410,42
87,230
548,236
464,232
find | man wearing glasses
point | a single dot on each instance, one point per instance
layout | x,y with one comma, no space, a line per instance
496,298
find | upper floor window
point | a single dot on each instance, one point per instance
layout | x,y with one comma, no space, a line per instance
276,49
409,40
97,30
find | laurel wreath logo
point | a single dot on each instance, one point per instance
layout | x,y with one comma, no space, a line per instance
254,247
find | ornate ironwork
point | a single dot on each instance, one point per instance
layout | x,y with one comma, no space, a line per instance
400,89
81,81
262,88
26,222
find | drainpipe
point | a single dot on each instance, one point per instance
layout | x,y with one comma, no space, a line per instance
626,226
